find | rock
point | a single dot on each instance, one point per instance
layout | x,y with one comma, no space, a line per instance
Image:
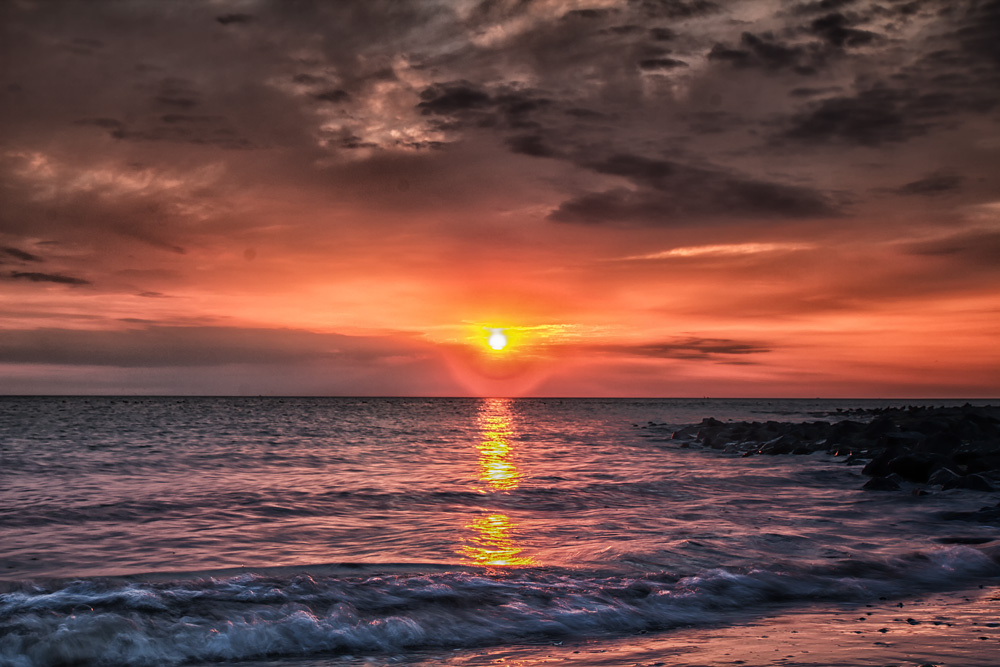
940,443
943,476
783,444
842,431
880,484
983,463
879,466
916,467
972,482
880,426
909,439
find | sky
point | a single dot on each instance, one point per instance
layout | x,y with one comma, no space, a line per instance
662,198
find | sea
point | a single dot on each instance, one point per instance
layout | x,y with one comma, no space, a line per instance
410,531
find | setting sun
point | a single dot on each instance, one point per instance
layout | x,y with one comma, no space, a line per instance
497,339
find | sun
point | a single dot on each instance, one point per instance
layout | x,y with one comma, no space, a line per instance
497,339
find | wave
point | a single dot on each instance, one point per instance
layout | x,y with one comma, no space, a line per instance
174,621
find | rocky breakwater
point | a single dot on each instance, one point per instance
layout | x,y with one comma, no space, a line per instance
917,448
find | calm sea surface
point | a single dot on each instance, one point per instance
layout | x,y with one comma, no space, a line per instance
158,531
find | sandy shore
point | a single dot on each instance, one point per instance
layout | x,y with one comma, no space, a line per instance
956,629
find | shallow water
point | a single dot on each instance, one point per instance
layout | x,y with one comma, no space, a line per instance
296,528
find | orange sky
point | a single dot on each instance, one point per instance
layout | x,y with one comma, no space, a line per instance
671,198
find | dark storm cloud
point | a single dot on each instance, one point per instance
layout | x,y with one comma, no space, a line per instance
836,29
459,103
671,193
976,247
533,145
872,117
688,348
589,13
21,254
931,185
234,19
334,96
653,64
450,98
979,32
674,9
821,6
767,52
178,346
48,278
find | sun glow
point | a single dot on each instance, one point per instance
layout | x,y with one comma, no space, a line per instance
497,339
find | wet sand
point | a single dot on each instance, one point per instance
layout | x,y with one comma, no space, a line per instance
955,629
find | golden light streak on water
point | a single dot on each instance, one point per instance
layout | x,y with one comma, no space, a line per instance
493,542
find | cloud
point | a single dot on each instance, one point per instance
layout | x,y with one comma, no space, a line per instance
48,278
872,117
980,247
454,97
234,19
835,29
820,6
674,9
21,255
932,185
179,346
686,348
531,144
766,52
654,64
723,250
671,193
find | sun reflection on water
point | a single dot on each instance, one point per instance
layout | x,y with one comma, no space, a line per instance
493,540
496,456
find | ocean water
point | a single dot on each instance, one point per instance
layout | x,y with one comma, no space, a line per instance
329,531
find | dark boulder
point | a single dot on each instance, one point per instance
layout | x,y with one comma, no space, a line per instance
879,466
916,467
881,484
843,431
880,426
943,476
971,483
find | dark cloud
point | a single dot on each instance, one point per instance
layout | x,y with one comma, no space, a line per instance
653,64
766,52
532,144
688,348
662,34
836,29
820,6
871,118
178,346
674,9
21,254
674,194
231,19
589,13
180,102
979,247
335,96
309,79
450,98
671,193
932,185
48,278
812,92
979,32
